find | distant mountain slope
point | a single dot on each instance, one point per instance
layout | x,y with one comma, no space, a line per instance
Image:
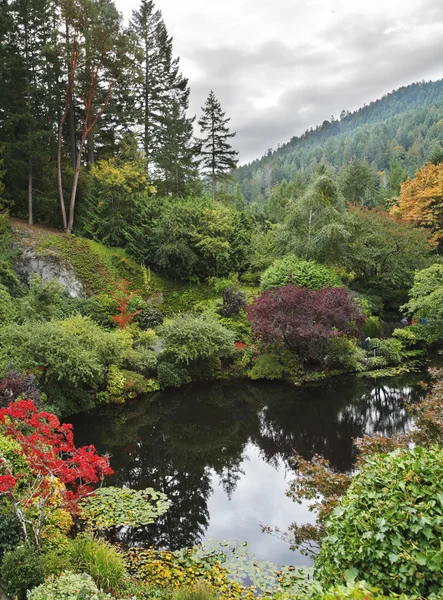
405,124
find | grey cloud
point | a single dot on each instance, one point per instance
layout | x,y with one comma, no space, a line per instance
354,59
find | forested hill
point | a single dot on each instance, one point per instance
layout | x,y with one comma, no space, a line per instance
402,126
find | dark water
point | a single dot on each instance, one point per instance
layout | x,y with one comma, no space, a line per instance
222,452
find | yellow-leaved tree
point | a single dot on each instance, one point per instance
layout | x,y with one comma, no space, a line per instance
421,200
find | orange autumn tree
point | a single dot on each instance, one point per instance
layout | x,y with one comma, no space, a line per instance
421,200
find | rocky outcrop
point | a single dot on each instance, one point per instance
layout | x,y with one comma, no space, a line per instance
49,267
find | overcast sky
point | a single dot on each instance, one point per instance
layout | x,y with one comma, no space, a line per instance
279,67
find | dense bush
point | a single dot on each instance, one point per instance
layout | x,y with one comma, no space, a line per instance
426,303
21,569
191,338
343,353
68,586
45,300
303,320
170,374
18,385
9,530
352,590
387,528
372,327
233,301
292,270
390,349
73,357
150,317
276,364
8,310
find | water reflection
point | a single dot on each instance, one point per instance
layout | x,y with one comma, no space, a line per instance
217,438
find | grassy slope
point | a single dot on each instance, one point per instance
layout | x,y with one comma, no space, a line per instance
99,268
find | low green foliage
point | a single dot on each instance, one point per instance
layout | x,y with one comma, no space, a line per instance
68,586
343,353
9,530
166,571
150,317
97,266
101,561
8,310
21,569
390,349
426,303
296,271
44,301
387,528
352,590
9,279
372,327
191,338
112,507
198,592
276,364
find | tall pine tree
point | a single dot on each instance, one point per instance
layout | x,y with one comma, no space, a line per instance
162,96
219,158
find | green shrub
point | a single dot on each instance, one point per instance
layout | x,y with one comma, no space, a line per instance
406,336
389,349
387,528
100,309
376,362
277,364
372,327
267,366
9,279
9,531
292,270
101,561
71,355
190,338
21,569
343,353
140,359
135,384
8,311
150,317
170,374
57,561
352,590
220,283
45,300
68,586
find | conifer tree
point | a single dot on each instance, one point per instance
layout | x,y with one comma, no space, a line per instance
162,98
218,156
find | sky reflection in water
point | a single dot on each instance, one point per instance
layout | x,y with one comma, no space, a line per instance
222,451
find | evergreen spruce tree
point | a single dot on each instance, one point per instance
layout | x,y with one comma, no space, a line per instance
162,98
218,156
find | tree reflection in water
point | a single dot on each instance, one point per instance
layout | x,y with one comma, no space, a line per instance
177,441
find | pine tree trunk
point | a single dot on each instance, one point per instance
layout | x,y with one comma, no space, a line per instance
71,124
74,187
91,159
30,187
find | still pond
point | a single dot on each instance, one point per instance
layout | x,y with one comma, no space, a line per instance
222,452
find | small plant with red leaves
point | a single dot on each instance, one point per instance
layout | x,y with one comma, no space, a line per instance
123,297
59,474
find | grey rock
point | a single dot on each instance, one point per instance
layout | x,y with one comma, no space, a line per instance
49,267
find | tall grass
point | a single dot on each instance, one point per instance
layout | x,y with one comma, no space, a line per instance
102,561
